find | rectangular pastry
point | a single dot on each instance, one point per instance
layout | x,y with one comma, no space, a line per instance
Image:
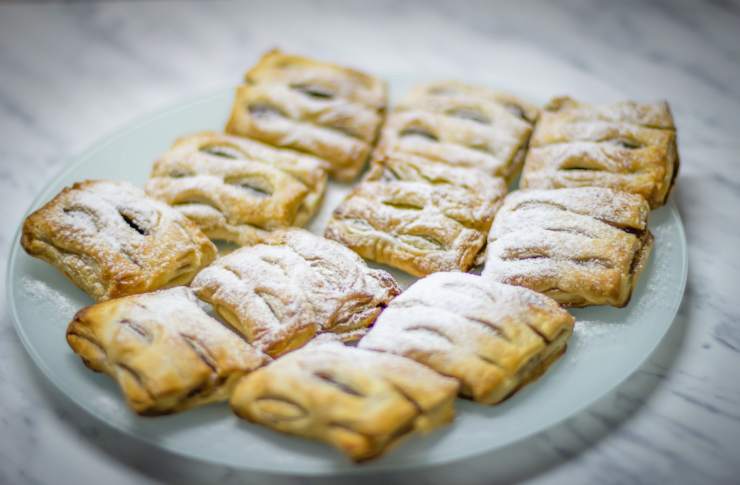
112,240
359,401
493,338
581,246
461,125
316,107
236,189
418,215
281,293
165,352
625,146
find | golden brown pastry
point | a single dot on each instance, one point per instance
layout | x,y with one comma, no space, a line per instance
165,352
359,401
112,240
493,338
625,146
236,189
418,215
281,293
411,168
461,125
312,106
580,246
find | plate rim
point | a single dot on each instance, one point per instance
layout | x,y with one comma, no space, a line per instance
77,159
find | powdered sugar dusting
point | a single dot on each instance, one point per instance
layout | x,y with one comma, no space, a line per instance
114,240
460,125
46,295
308,74
605,156
178,311
611,206
458,142
227,184
295,284
325,110
457,311
487,335
588,334
563,243
470,94
627,146
649,114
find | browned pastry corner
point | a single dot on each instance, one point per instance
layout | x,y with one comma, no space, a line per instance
627,146
581,246
112,240
359,401
493,338
165,352
293,286
461,125
237,189
312,106
418,215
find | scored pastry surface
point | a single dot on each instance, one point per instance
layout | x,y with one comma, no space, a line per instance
283,292
237,189
359,401
580,246
626,146
400,167
417,215
316,107
493,338
165,352
461,125
112,240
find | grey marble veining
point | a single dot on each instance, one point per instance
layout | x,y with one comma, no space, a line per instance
73,72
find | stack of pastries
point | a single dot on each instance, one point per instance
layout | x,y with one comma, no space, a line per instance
294,329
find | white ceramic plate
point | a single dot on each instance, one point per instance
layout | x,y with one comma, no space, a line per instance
609,344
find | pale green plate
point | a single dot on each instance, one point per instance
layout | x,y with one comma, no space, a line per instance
609,344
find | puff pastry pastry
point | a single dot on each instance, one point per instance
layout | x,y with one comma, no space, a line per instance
418,215
359,401
236,189
461,125
166,353
581,246
493,338
411,168
112,240
626,146
312,106
283,292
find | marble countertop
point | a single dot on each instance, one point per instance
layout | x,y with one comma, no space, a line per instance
73,72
